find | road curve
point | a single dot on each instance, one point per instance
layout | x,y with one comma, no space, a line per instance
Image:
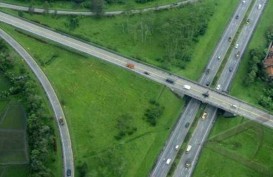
88,13
68,160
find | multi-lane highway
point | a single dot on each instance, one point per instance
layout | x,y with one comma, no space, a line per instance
68,160
215,98
88,13
203,127
196,91
179,133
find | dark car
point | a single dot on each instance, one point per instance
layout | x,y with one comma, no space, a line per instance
237,16
169,81
68,172
207,71
207,83
145,72
230,68
187,124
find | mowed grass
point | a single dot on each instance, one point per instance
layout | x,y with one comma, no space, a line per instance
13,117
107,32
131,4
248,153
95,94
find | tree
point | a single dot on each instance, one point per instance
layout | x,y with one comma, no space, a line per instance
97,7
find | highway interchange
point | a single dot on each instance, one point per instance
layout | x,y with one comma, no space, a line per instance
179,133
203,126
216,99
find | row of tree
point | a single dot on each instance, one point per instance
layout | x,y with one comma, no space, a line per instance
40,134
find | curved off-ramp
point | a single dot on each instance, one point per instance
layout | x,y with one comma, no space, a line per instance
89,13
68,161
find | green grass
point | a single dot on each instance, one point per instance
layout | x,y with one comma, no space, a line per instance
95,94
68,5
107,32
14,117
256,143
247,153
13,171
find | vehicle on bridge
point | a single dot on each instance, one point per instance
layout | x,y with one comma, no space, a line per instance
170,81
168,161
130,65
187,87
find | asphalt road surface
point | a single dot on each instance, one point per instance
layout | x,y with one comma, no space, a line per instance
216,99
179,133
68,160
204,126
88,13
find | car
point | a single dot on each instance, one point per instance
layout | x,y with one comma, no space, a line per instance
218,87
236,46
188,164
68,172
207,83
207,71
187,87
237,16
61,121
145,72
187,125
168,161
237,55
230,68
176,147
204,115
259,6
170,81
206,94
243,1
229,39
219,57
234,106
247,21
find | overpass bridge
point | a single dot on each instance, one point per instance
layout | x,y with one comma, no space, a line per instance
176,83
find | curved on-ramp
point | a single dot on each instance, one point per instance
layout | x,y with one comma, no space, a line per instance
68,160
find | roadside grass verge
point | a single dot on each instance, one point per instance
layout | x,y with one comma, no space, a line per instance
107,32
65,5
94,94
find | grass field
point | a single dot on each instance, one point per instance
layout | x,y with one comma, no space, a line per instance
68,5
94,95
253,146
107,32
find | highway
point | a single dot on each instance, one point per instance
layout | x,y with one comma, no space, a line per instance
68,160
204,126
88,13
217,99
179,133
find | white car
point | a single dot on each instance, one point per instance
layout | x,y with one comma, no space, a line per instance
218,87
243,1
168,161
259,6
236,46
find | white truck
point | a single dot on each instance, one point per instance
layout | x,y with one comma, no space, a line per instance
187,87
188,148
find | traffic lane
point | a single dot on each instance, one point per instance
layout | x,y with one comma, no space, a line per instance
65,138
200,133
179,134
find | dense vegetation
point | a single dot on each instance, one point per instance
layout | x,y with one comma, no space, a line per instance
40,134
256,72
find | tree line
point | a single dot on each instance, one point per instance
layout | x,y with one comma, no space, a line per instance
41,138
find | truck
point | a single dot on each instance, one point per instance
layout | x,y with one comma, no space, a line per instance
187,87
130,65
188,148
